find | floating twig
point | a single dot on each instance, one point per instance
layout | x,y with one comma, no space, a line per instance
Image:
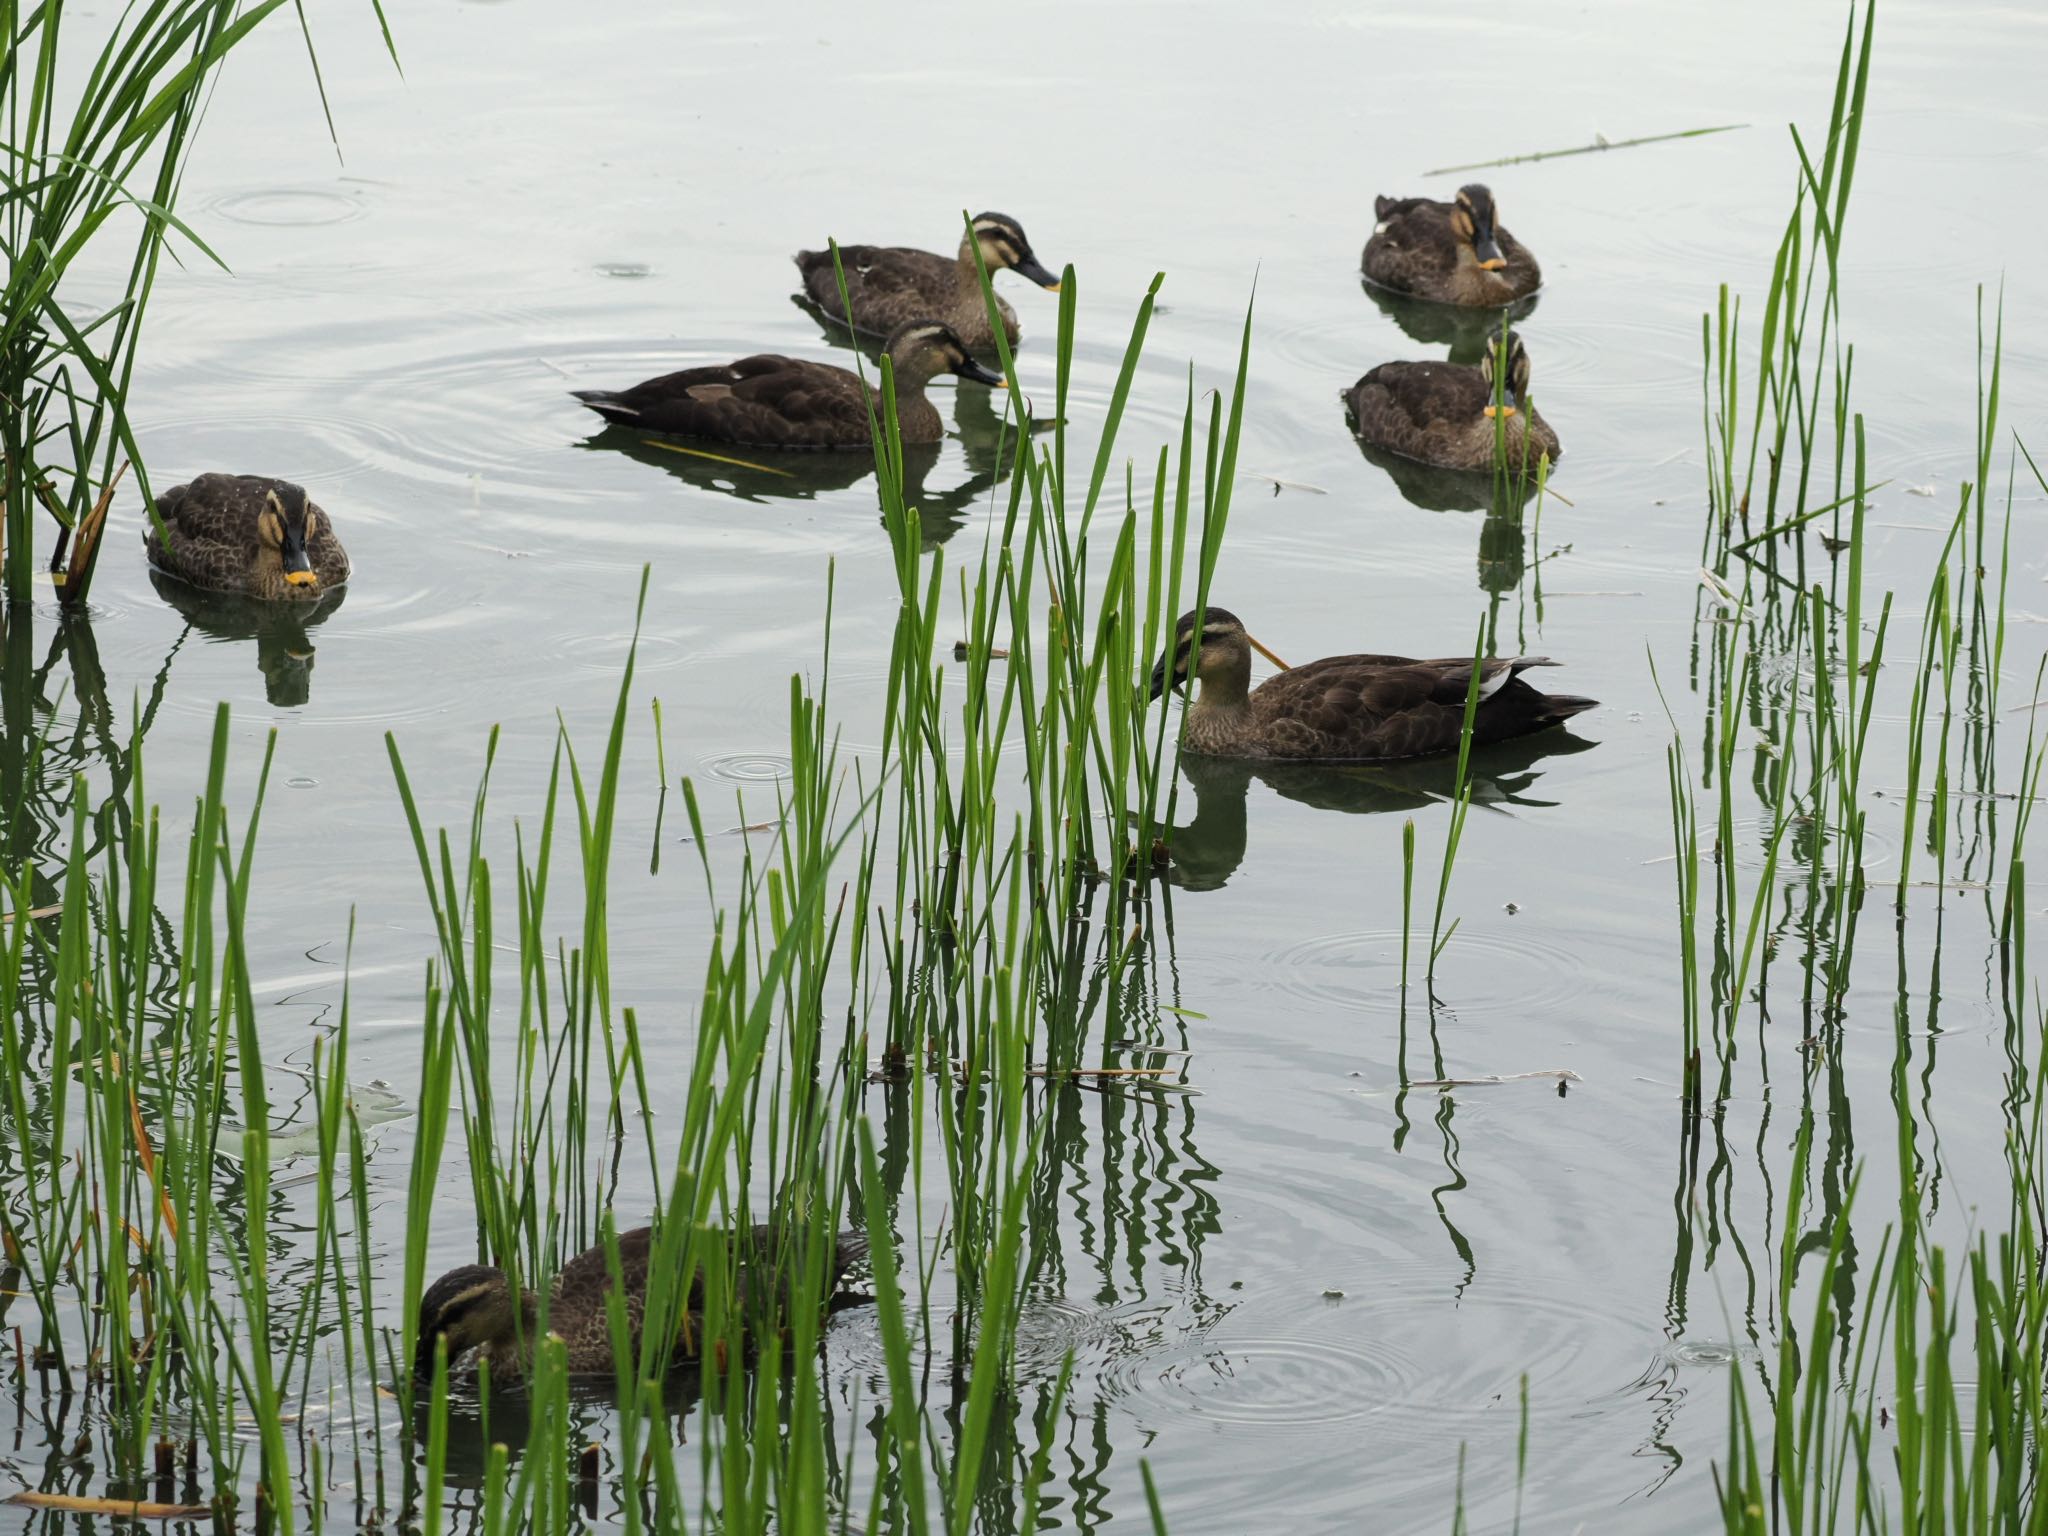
1600,142
718,458
1558,1074
126,1509
1777,529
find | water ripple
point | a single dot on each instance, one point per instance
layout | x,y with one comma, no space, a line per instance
1479,972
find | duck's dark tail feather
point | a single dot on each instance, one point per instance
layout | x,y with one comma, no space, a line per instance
1562,706
606,404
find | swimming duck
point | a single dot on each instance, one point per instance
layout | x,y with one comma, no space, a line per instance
473,1305
247,534
1454,253
890,284
1345,709
787,402
1443,413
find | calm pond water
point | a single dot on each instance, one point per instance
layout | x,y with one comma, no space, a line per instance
1299,1292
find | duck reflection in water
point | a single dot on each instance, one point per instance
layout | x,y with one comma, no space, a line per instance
1207,850
1467,332
987,439
284,653
1504,498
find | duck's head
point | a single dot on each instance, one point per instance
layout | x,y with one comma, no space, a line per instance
1472,219
1003,244
1224,644
286,525
1507,351
923,349
472,1308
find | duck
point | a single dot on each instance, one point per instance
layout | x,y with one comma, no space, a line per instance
1444,413
890,284
472,1306
251,535
1345,709
1452,253
771,401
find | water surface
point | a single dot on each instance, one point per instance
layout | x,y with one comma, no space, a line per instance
1299,1293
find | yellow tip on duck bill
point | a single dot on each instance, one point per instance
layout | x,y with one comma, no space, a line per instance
1053,286
302,578
1269,655
1505,410
1494,265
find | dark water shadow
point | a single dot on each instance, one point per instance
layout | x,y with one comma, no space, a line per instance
284,652
478,1421
1451,490
1209,847
1460,327
1504,499
837,333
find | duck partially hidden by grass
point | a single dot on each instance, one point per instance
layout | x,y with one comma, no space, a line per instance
251,535
892,284
475,1309
1445,414
772,401
1345,709
1452,253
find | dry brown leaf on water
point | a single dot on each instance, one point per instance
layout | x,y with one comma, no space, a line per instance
129,1509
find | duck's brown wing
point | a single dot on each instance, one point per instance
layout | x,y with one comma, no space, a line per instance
888,284
1412,244
1419,409
766,401
576,1303
219,506
585,1278
1372,708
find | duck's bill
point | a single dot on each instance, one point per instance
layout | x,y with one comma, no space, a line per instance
1268,655
1031,267
1490,257
1159,674
981,374
298,570
1499,410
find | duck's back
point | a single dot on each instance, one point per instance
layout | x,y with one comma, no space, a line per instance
577,1306
1371,707
1420,410
1412,248
766,401
891,285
